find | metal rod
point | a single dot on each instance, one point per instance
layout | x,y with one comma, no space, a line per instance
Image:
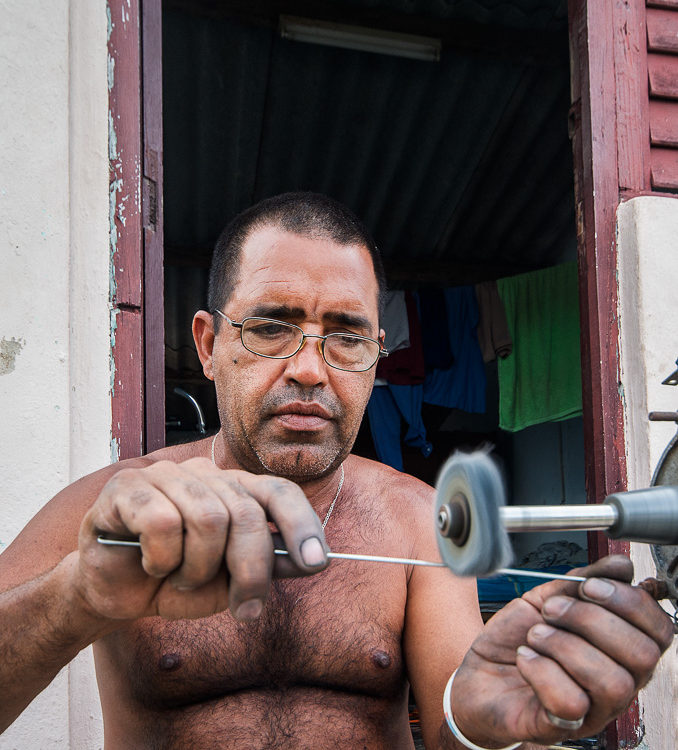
381,559
374,558
593,517
118,542
538,574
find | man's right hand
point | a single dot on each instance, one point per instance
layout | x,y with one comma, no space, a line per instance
205,541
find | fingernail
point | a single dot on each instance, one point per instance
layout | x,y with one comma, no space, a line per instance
249,610
542,631
556,606
526,652
597,588
180,585
312,552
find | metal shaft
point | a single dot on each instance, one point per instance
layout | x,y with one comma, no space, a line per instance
592,517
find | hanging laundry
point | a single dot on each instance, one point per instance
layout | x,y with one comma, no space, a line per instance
405,366
397,396
541,380
386,409
462,385
435,332
394,321
494,336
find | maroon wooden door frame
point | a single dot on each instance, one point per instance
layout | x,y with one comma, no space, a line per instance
154,312
135,163
610,129
124,149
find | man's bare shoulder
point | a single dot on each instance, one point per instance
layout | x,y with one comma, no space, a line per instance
53,532
390,482
404,499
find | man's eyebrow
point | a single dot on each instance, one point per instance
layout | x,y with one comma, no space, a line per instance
268,310
287,312
350,320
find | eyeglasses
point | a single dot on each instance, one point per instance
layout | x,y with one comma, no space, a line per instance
278,340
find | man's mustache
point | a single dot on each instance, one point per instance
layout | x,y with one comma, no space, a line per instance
274,400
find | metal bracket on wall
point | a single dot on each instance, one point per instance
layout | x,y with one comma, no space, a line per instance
666,556
672,378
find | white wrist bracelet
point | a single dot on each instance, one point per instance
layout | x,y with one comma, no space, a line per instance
453,725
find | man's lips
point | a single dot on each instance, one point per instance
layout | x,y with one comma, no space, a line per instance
302,416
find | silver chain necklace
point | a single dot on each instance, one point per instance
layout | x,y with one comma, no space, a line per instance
341,483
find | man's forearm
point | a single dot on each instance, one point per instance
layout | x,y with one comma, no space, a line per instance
43,625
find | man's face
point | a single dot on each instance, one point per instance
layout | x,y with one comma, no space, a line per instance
295,417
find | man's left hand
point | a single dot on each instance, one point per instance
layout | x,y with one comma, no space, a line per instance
576,650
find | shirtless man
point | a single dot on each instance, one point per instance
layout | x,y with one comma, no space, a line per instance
205,641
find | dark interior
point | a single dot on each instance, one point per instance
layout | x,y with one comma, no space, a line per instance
461,168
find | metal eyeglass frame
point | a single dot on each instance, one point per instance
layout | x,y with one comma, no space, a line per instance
321,344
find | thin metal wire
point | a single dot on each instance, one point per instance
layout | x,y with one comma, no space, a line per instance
374,558
539,574
429,564
383,559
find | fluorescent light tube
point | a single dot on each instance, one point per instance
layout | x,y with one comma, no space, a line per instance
360,38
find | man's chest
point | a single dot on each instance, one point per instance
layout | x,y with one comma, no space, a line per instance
338,630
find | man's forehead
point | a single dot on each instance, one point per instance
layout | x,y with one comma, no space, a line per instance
269,240
277,265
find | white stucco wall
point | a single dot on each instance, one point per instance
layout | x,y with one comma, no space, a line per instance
648,311
54,296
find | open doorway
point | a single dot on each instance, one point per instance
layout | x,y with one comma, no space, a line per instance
460,166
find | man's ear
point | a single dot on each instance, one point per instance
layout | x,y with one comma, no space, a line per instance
203,335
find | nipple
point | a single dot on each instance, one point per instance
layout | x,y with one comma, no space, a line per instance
170,662
380,658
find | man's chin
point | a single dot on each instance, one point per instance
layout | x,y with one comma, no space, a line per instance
300,464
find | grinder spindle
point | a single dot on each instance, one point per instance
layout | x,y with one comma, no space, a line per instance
473,522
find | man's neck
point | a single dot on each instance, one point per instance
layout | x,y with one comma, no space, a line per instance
317,490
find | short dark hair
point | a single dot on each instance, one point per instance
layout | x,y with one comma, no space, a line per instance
305,213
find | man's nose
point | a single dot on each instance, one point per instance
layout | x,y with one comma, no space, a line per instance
307,366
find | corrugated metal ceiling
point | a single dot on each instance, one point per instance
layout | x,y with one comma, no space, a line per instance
462,169
532,14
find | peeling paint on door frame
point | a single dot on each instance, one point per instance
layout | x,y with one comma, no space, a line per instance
126,248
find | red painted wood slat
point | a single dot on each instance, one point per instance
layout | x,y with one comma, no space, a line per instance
663,73
127,332
630,57
664,168
664,123
662,30
125,151
154,323
127,392
662,4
